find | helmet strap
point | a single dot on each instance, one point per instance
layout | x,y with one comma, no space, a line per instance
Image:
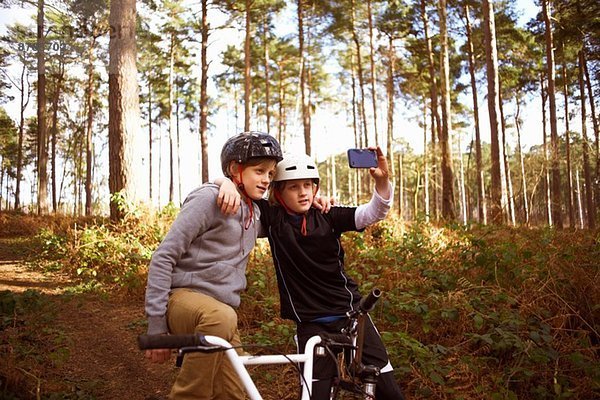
240,185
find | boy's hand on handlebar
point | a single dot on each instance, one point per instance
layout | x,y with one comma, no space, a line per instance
158,355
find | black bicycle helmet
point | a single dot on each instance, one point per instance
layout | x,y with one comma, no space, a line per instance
247,145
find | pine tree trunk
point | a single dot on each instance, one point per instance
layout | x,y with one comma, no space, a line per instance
247,67
171,119
88,129
555,167
548,196
373,72
281,90
521,160
436,125
587,175
123,107
360,74
54,130
42,134
481,200
461,183
579,205
267,74
304,96
425,162
390,108
150,142
568,141
23,105
448,211
509,194
401,186
496,206
178,146
204,91
595,122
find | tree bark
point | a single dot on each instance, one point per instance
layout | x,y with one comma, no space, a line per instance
360,74
150,141
587,175
305,98
548,196
390,108
521,161
23,106
448,211
247,66
509,194
42,134
123,108
555,167
481,200
205,29
436,126
267,74
54,130
425,162
373,72
568,140
497,206
88,129
170,116
595,124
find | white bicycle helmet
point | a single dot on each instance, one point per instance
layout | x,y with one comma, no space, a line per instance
296,166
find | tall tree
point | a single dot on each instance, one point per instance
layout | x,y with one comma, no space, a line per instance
124,110
555,167
304,91
247,65
436,125
16,45
497,172
587,175
42,161
448,211
373,77
203,131
481,199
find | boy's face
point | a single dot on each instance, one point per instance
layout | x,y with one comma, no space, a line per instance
298,194
257,178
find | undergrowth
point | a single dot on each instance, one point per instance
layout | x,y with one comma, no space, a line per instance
468,312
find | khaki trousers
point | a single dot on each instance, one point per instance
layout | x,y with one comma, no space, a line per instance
208,376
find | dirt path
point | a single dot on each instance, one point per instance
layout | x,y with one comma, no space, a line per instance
96,336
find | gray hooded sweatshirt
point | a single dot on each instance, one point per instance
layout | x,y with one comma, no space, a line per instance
205,251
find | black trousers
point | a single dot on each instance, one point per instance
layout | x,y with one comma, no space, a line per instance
324,368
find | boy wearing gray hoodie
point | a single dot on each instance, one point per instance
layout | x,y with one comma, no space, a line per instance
198,271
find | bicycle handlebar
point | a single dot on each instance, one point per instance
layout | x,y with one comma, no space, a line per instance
172,341
367,303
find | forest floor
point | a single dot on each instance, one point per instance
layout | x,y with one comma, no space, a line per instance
92,338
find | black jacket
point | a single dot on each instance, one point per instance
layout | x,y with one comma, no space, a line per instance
310,269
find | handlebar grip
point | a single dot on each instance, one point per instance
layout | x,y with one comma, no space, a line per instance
170,341
367,303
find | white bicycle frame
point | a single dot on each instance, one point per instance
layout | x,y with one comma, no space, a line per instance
239,364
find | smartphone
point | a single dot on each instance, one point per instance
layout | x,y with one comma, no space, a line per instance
362,158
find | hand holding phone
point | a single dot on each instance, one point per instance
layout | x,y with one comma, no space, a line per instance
362,158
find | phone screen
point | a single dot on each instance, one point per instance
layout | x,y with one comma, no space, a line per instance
362,158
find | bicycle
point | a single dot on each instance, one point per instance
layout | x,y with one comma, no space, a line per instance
346,348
